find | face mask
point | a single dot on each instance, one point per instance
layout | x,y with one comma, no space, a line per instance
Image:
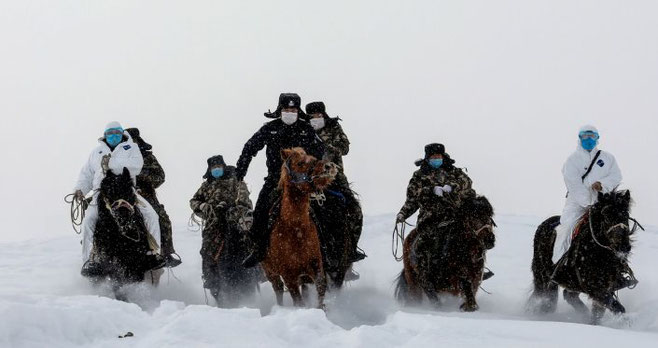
113,139
435,162
289,117
317,123
217,172
588,144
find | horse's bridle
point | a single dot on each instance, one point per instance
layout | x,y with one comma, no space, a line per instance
636,224
121,203
298,177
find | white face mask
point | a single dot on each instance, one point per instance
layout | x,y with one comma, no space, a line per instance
288,117
317,123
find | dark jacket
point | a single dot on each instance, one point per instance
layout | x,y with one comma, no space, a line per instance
276,135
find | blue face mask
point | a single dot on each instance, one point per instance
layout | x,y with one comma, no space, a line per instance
113,139
588,144
217,172
435,162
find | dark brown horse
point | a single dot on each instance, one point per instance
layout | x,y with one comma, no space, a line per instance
449,257
594,263
294,255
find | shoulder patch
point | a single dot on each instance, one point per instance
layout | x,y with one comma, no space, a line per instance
126,147
600,163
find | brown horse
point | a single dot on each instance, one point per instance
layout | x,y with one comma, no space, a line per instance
294,255
448,257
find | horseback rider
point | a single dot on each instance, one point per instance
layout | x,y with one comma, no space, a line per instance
336,146
221,191
436,190
289,129
586,172
149,179
115,152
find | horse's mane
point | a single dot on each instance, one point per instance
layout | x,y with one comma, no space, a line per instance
620,199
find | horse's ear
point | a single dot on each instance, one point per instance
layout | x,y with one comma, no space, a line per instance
126,173
627,195
600,197
285,153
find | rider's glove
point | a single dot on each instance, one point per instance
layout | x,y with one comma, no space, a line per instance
447,188
438,190
399,219
597,187
79,196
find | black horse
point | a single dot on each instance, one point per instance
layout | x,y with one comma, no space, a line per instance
121,241
450,257
230,283
595,263
337,220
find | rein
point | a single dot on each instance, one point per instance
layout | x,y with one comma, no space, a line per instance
78,208
636,224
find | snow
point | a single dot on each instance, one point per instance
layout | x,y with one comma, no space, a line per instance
45,302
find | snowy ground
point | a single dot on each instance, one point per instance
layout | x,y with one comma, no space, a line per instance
45,303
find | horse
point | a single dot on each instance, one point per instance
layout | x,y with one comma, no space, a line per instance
294,255
337,222
121,240
595,262
450,259
232,282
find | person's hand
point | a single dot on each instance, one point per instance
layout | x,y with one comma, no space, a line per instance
399,218
447,188
438,190
597,187
79,196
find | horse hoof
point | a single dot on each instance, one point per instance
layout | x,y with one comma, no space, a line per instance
469,307
617,308
323,307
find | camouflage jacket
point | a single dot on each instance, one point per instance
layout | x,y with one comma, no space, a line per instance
420,193
213,191
152,175
335,141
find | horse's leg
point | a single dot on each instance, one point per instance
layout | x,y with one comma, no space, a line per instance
469,305
573,298
293,285
598,310
277,286
320,282
433,297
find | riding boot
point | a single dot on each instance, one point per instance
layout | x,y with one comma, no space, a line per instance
172,260
154,262
358,255
487,274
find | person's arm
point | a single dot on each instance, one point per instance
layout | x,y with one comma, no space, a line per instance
86,175
340,143
461,185
414,192
613,178
243,195
256,143
198,199
578,191
152,173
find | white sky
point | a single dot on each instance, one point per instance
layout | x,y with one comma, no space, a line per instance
503,84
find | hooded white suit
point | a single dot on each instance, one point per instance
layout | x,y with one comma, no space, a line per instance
580,193
125,154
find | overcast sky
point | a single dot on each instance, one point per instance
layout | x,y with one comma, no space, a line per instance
503,84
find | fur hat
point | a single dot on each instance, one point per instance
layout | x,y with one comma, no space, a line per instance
287,100
315,108
212,162
134,133
436,149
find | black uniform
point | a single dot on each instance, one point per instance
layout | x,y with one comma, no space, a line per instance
277,136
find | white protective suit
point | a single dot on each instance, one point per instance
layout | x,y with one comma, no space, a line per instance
581,195
127,155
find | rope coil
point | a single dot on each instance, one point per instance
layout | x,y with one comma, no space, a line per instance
78,207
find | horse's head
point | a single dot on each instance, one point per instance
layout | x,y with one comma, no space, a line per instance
304,171
612,211
476,213
118,196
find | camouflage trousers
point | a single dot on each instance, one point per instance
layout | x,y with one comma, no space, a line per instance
166,238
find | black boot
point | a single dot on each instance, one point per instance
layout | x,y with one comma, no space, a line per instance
172,260
154,262
92,269
358,255
487,274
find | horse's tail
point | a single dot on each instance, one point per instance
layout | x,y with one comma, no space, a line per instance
401,288
545,290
